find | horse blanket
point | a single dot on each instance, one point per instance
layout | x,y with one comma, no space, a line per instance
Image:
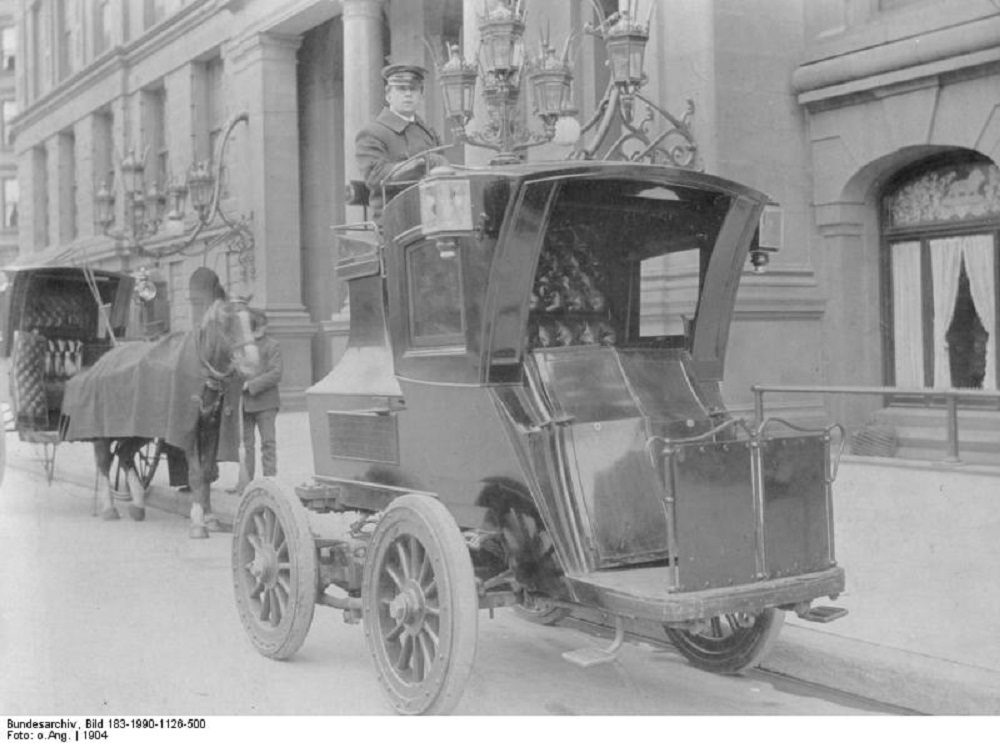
144,389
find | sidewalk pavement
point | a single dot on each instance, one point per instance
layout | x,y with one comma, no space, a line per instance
890,664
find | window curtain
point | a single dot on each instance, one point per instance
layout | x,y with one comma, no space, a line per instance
979,253
907,315
946,265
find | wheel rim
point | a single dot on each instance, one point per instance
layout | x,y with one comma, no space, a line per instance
275,575
267,567
409,610
722,634
420,606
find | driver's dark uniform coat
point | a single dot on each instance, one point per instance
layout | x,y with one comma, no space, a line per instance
387,141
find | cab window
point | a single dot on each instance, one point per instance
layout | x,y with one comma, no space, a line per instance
434,274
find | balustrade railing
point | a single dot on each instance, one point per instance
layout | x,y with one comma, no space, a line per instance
949,397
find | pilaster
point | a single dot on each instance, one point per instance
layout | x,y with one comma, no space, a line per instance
363,62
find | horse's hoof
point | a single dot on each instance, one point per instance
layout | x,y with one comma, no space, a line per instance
138,513
198,532
212,523
109,514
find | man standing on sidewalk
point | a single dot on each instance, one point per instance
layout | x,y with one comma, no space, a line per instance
261,401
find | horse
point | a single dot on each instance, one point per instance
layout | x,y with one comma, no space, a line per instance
223,344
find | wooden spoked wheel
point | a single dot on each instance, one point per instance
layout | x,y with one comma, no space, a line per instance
420,606
145,460
729,643
274,569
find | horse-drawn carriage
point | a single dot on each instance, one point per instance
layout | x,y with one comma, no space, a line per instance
72,378
57,321
529,414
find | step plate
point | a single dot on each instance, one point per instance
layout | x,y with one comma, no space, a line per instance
587,657
823,614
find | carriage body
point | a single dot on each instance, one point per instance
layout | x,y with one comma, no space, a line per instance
52,329
519,419
505,353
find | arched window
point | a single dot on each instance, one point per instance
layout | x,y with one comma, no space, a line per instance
941,232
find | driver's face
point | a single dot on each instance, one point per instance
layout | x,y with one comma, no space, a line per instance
404,99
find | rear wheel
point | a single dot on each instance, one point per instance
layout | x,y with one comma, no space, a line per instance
420,606
729,643
274,569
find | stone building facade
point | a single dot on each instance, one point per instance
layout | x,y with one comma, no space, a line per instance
836,108
9,186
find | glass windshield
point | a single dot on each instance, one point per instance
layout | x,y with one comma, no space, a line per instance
623,264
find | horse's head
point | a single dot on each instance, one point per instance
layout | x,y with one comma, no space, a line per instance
227,340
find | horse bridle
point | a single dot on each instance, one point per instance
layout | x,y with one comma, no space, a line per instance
215,376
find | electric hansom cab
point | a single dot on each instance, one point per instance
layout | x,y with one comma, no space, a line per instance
528,414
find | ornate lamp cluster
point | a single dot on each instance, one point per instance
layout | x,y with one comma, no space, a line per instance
501,69
144,208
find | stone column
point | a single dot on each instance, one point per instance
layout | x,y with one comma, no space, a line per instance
363,62
364,97
264,78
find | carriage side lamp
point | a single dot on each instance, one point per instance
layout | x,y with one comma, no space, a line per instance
145,289
767,239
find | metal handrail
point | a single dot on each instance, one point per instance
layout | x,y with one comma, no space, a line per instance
950,397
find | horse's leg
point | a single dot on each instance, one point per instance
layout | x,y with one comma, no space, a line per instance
199,496
126,456
102,458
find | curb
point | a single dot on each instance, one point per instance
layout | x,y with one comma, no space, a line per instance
910,681
889,675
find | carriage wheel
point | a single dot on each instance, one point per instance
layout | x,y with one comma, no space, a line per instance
729,643
145,461
420,606
274,570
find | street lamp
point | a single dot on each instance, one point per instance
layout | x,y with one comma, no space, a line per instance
501,68
144,209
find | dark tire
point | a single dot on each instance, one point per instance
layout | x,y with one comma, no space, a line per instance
145,461
420,606
275,574
731,643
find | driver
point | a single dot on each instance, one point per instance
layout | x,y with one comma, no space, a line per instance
396,134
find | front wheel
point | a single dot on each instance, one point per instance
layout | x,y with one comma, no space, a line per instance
420,606
274,567
729,643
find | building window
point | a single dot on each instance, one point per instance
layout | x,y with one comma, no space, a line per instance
8,110
39,54
214,105
941,225
103,22
67,187
40,196
8,48
103,126
154,136
10,194
63,39
153,11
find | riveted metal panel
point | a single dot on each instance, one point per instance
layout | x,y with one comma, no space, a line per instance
797,525
367,435
713,491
